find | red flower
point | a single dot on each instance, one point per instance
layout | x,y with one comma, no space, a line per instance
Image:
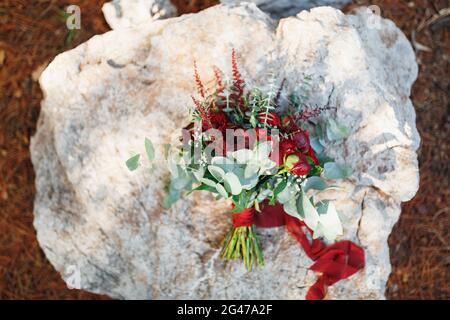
286,121
272,118
219,120
301,139
289,124
297,164
286,147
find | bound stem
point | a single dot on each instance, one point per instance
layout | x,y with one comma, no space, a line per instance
243,243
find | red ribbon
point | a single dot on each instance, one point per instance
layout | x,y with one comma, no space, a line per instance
335,262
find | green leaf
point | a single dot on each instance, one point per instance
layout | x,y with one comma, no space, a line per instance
310,214
317,145
171,198
208,182
199,173
181,182
323,159
280,187
149,149
205,187
315,183
287,194
243,156
223,163
329,225
263,150
217,172
232,184
251,170
336,131
335,171
221,190
133,162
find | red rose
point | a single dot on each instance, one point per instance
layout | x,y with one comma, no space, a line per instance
301,139
286,147
272,118
297,164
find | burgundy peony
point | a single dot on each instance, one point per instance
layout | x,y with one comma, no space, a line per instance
301,139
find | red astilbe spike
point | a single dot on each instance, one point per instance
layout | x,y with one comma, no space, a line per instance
219,82
309,113
198,81
204,113
238,82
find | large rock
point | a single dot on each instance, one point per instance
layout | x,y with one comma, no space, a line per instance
285,8
102,98
128,13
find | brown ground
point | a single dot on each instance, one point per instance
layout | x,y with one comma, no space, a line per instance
32,34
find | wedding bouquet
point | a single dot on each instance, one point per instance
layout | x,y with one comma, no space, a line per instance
263,150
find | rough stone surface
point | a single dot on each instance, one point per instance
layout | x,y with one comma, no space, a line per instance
285,8
102,98
128,13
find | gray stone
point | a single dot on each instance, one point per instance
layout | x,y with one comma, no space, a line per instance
128,13
104,228
285,8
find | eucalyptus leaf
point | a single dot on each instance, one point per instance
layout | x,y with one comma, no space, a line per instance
149,149
217,172
232,183
181,182
133,162
324,158
263,150
315,183
310,214
171,197
288,193
221,190
199,173
243,156
251,170
208,182
336,171
224,163
329,225
336,131
317,146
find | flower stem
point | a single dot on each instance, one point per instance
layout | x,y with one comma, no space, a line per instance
243,243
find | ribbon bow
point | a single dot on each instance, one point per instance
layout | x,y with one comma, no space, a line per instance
335,262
